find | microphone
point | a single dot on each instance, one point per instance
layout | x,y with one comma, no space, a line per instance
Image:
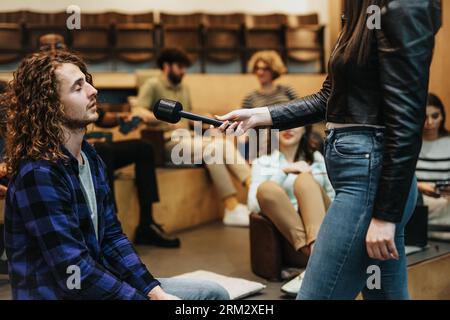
172,112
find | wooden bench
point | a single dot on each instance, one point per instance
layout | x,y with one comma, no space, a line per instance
428,272
187,199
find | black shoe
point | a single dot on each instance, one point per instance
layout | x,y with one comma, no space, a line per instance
155,235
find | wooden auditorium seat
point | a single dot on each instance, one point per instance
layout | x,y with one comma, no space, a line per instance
182,31
223,37
11,42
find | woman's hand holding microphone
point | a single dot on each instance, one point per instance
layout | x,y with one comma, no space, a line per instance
240,121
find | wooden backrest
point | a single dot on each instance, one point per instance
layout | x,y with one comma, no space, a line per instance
183,20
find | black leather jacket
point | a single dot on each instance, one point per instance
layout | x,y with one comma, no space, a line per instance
391,91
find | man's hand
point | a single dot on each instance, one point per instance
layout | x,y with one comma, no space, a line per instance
158,293
239,121
125,116
146,115
380,240
297,167
428,189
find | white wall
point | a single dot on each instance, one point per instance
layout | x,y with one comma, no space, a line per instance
175,6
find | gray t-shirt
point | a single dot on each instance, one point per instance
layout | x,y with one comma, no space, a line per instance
87,185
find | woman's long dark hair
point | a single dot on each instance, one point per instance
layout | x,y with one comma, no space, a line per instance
356,38
433,100
305,150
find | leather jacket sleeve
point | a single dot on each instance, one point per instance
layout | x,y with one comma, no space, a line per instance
405,47
303,111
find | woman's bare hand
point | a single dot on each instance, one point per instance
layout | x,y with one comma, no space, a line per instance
238,122
297,168
380,242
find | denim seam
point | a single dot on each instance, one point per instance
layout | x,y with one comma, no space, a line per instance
346,156
333,287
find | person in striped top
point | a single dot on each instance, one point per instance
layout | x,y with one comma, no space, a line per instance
434,164
267,66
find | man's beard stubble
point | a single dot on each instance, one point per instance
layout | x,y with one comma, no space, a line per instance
174,78
76,124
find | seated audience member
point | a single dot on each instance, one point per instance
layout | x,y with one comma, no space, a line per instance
120,154
169,85
62,236
267,66
51,42
434,165
291,188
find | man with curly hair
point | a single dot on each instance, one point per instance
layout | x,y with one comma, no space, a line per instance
63,239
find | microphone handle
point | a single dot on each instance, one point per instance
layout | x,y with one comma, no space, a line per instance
196,117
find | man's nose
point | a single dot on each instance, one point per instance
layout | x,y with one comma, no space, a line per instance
92,91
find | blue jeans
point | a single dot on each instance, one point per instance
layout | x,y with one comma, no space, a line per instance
191,289
338,267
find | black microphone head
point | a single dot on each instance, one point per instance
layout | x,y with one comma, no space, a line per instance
167,110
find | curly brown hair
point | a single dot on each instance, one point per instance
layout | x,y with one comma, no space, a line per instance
35,112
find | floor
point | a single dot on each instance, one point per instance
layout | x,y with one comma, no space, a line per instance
224,250
211,247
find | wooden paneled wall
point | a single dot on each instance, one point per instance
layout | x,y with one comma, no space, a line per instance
440,70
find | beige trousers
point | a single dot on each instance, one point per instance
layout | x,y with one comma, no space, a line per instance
220,157
299,228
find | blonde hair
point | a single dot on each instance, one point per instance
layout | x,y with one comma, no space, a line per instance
272,59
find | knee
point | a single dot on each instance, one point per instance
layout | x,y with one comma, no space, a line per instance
302,182
228,145
268,192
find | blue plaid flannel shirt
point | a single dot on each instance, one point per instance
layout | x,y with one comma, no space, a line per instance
48,229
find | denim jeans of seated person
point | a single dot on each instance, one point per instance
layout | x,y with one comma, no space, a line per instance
193,289
339,265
